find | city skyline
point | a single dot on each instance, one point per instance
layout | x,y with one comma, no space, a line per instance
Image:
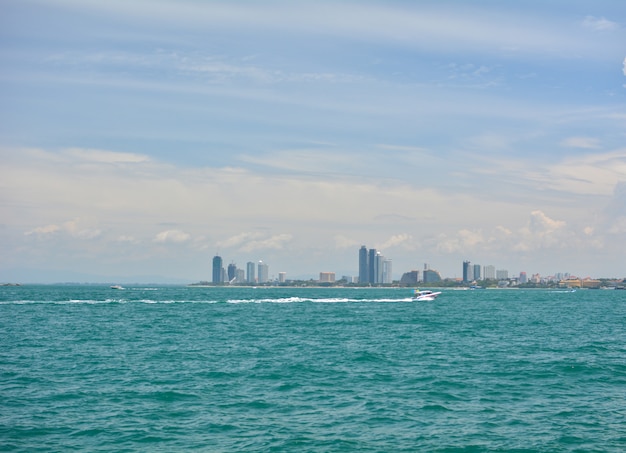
369,273
138,138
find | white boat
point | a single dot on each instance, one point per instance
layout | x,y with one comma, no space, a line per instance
425,294
117,287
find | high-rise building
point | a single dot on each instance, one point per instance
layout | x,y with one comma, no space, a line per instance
476,272
250,272
467,271
379,268
489,272
373,266
282,277
232,272
387,271
217,269
263,272
327,277
523,278
363,265
502,274
240,276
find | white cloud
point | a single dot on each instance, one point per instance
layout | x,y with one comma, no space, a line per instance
249,242
435,29
44,230
540,233
541,225
101,156
276,242
397,240
618,226
174,236
344,242
88,233
286,214
581,142
463,241
592,173
599,23
128,239
239,240
70,228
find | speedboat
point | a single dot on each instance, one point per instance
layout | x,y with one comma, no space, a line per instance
425,294
117,287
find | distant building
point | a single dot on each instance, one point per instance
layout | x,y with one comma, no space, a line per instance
250,272
327,277
240,276
282,277
489,272
217,269
387,271
502,274
379,268
523,278
431,276
373,266
263,271
363,265
467,272
232,272
410,278
476,272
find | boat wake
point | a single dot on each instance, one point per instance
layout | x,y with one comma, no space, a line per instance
283,300
332,300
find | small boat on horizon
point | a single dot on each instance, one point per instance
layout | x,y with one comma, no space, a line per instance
117,287
425,294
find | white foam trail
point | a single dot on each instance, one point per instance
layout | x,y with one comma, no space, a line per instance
288,300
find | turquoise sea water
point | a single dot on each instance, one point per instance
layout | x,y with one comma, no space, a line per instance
85,368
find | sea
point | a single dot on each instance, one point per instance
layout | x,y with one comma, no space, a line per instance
275,369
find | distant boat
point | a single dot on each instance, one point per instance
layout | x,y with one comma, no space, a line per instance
117,287
425,294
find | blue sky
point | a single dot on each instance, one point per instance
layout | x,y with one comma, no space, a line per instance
140,138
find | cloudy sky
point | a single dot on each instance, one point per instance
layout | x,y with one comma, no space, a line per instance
138,139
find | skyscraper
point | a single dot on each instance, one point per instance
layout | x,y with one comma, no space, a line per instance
363,265
250,271
387,271
379,268
489,272
466,271
232,271
373,266
476,272
263,272
217,269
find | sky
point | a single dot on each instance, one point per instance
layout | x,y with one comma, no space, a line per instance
139,139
